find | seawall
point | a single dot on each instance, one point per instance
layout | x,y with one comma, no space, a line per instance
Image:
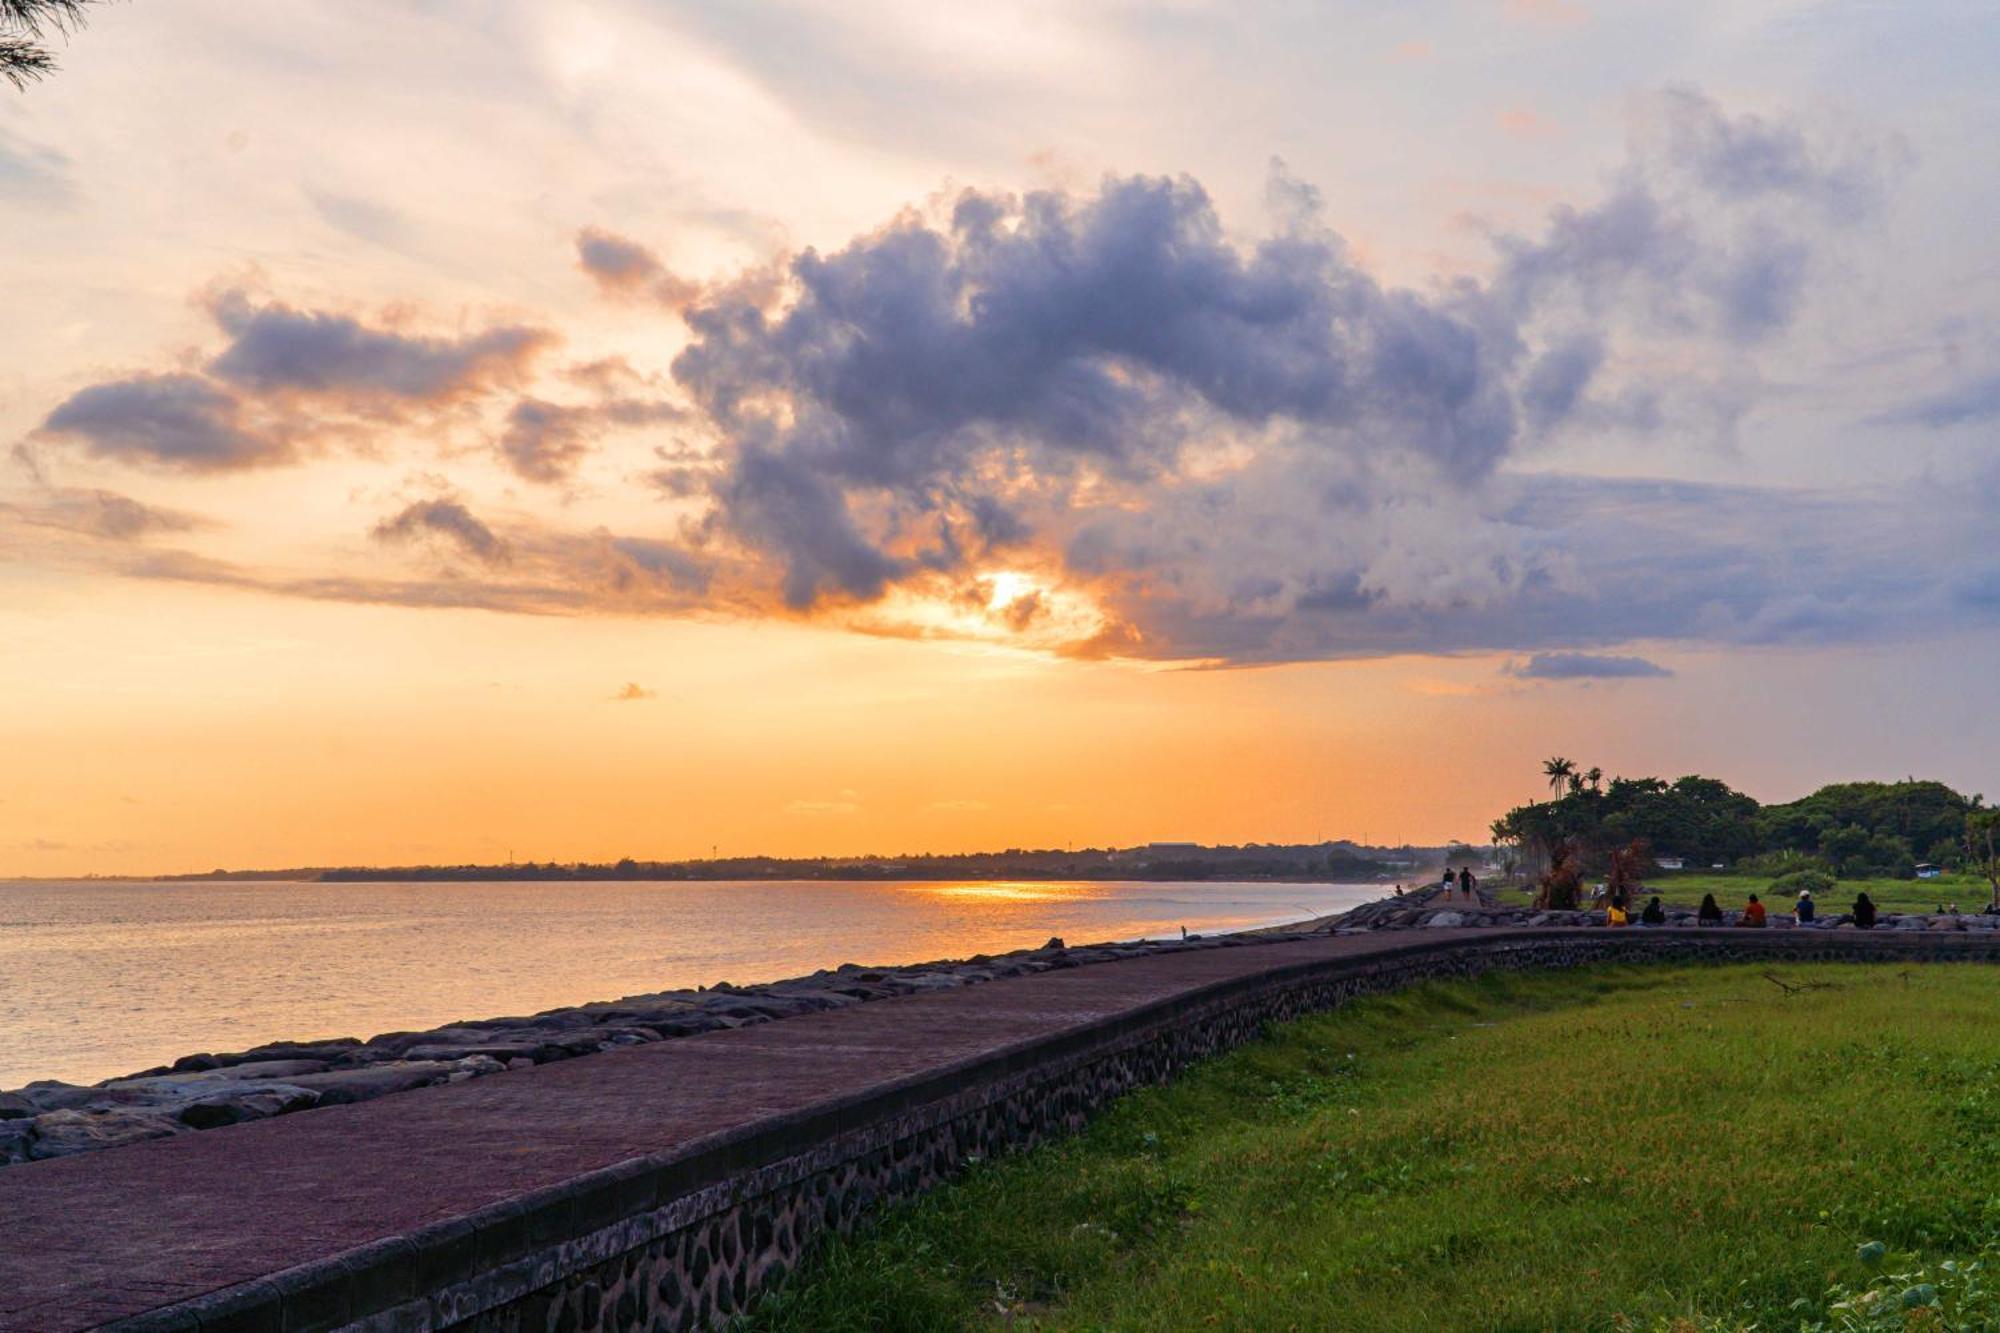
659,1187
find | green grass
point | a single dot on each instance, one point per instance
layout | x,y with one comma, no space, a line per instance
1890,895
1605,1149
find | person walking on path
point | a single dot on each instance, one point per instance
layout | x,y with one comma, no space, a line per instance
1449,880
1864,912
1466,884
1710,912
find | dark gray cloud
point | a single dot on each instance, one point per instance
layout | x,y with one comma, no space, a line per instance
288,381
1585,666
544,442
1750,156
275,348
174,421
929,370
445,519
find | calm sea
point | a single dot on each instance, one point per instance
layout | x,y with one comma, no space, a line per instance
106,978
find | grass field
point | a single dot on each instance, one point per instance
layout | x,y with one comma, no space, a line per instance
1617,1148
1890,895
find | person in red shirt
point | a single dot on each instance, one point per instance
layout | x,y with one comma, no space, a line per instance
1753,913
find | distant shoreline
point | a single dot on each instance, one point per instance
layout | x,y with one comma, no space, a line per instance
1337,862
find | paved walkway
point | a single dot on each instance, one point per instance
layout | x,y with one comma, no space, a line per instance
89,1239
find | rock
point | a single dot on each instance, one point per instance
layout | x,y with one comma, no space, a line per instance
1441,920
17,1138
253,1100
55,1095
63,1133
13,1106
1055,942
338,1086
200,1082
496,1051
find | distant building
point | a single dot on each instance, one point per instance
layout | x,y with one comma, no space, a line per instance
1925,870
1173,846
1670,862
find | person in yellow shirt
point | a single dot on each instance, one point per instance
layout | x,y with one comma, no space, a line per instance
1614,915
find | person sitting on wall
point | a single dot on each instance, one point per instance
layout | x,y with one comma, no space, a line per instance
1710,912
1614,915
1654,915
1753,913
1803,912
1864,912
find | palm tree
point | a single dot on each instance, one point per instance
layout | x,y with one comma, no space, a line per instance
1558,771
1594,779
24,26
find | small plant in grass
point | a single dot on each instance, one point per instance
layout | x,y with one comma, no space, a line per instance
1954,1294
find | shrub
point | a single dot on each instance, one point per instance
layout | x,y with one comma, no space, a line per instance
1815,882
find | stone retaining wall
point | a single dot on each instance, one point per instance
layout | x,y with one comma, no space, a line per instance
687,1240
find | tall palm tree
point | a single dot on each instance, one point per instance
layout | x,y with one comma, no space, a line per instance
25,26
1558,771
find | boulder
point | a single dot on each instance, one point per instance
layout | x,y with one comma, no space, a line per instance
13,1106
338,1086
1441,920
63,1133
250,1100
17,1139
202,1082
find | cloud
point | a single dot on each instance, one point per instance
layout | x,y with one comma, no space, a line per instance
447,520
627,270
1709,230
275,348
1963,403
288,381
173,421
545,442
633,692
928,379
1584,666
360,218
102,514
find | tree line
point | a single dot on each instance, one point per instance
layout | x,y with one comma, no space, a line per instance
1848,829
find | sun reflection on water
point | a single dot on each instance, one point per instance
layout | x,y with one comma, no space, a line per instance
1010,891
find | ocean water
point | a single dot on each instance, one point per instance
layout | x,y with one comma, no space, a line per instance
109,977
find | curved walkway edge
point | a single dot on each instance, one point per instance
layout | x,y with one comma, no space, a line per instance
660,1186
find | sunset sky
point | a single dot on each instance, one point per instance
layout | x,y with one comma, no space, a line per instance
462,429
